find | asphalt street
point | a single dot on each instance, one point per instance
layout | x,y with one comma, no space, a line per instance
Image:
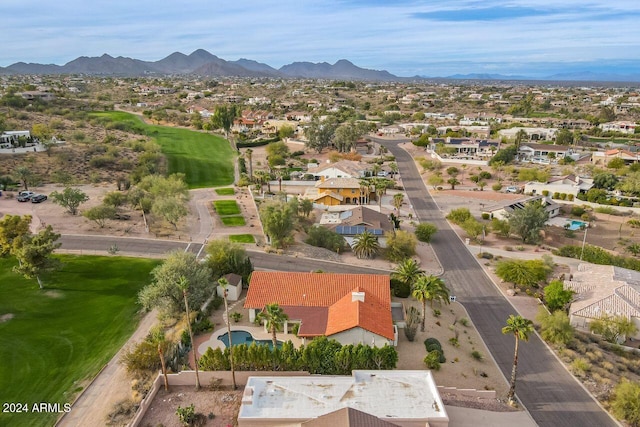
545,388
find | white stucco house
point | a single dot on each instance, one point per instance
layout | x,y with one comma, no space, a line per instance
379,399
604,290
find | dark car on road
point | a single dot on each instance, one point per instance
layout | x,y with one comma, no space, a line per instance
25,196
38,198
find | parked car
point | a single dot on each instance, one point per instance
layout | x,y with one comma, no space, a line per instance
38,198
511,190
383,173
25,196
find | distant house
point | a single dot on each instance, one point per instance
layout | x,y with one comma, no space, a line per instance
533,133
367,398
569,184
604,290
342,169
11,138
353,222
339,191
350,308
37,95
543,153
604,157
502,211
468,147
621,127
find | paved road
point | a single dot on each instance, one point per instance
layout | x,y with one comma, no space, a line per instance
549,392
157,248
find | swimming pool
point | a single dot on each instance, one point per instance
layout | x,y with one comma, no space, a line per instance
577,225
244,337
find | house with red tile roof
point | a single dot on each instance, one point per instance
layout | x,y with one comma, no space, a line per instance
350,308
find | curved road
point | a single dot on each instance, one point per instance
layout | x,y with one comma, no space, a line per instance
547,390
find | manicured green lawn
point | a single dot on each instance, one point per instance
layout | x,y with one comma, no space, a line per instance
225,191
233,221
242,238
226,207
206,160
60,337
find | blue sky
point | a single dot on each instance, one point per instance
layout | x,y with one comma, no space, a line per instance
429,38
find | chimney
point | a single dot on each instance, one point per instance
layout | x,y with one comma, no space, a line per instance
357,296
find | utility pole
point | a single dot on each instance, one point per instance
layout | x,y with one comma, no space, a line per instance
584,240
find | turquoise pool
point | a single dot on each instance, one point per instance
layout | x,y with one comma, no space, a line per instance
244,337
577,225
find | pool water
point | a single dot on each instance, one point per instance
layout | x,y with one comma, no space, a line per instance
244,337
576,225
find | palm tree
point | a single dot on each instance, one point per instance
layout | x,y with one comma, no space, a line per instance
274,318
394,168
183,285
366,245
520,328
398,199
365,191
224,283
408,272
429,288
160,340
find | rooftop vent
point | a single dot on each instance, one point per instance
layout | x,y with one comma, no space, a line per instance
357,296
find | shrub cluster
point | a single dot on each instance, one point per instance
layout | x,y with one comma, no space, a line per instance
432,344
322,356
597,255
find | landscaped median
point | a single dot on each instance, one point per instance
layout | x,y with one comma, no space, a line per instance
229,213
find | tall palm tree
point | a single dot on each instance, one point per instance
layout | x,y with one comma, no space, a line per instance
394,168
398,199
224,284
520,328
366,245
273,318
429,288
408,271
183,285
163,345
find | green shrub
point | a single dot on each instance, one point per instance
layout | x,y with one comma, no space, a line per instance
203,325
496,187
429,343
485,255
459,216
570,197
401,289
425,231
545,193
486,216
556,195
476,355
577,211
432,360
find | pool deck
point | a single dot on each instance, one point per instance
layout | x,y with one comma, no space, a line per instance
258,333
560,221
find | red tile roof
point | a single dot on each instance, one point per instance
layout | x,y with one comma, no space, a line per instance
299,290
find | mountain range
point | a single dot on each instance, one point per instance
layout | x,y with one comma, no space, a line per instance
200,63
205,64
